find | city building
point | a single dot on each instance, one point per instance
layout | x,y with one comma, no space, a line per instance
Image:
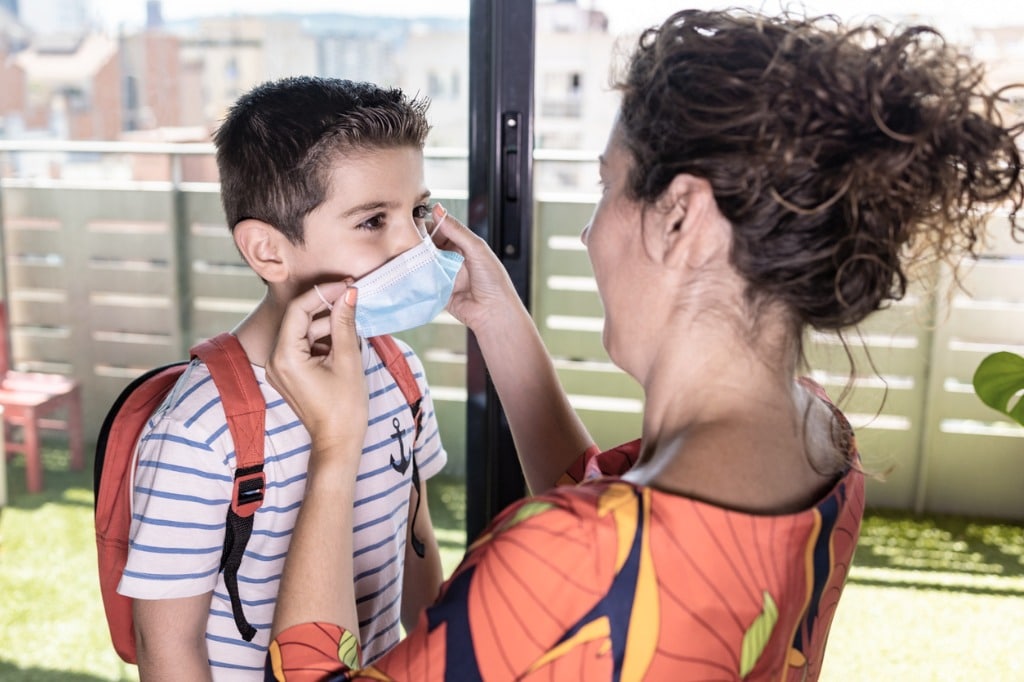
66,90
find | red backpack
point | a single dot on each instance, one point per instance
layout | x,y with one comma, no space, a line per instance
245,409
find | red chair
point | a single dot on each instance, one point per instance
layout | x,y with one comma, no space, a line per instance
33,402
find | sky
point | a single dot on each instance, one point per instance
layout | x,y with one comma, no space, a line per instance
624,15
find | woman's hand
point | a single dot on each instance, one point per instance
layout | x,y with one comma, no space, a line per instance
547,432
483,291
326,386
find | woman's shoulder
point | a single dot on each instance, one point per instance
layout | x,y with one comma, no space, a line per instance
562,518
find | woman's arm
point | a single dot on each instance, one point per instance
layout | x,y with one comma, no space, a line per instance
317,583
547,432
503,615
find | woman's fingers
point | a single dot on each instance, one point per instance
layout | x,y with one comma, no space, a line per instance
308,377
482,289
452,234
294,337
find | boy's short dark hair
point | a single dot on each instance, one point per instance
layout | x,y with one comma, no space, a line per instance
276,145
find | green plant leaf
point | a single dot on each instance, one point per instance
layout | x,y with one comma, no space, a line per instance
998,380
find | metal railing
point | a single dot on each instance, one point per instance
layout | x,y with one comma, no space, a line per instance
106,277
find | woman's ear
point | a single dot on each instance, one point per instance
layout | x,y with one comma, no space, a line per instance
263,248
692,226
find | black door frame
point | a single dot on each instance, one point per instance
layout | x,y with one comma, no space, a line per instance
501,60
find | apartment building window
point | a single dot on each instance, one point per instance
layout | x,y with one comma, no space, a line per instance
560,95
77,100
435,86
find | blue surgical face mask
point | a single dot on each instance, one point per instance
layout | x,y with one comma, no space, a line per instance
408,291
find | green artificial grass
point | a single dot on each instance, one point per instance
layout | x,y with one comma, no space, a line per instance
929,598
933,545
52,626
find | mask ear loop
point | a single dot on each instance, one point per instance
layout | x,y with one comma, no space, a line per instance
331,307
326,302
439,223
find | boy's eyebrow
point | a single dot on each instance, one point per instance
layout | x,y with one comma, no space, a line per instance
368,206
376,205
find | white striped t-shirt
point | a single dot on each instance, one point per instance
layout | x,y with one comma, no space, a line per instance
183,487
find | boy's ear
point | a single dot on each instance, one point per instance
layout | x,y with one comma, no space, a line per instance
691,226
264,248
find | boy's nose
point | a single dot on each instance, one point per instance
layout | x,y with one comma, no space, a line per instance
585,234
405,239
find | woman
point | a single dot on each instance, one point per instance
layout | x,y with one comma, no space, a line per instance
764,176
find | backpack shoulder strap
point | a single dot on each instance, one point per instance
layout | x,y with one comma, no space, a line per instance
245,410
240,394
394,360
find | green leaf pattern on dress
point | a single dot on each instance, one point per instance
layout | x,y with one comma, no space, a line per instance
758,634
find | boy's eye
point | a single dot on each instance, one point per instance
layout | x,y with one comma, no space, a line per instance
421,212
374,223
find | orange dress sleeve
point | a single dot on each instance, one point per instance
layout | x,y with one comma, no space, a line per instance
531,572
594,463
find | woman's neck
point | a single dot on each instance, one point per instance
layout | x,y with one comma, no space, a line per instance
724,421
708,370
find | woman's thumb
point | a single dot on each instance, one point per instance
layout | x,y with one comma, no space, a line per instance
344,314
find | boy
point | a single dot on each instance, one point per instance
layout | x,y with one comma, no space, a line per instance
321,180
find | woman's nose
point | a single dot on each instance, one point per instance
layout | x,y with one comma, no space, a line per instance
585,234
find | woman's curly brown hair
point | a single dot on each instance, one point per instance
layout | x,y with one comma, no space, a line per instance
833,151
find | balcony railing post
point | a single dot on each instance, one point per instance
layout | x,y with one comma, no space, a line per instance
182,258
